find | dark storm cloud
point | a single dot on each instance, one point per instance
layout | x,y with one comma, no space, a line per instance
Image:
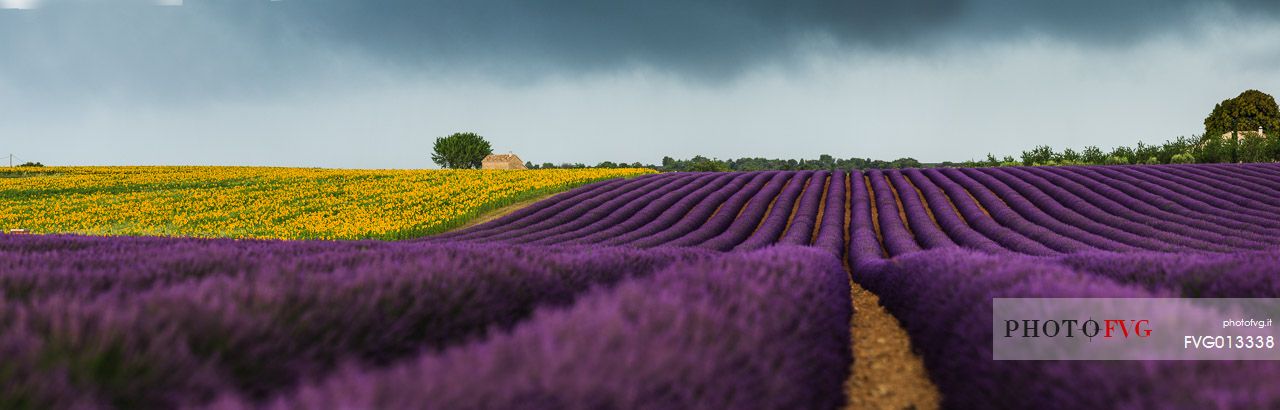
702,38
254,47
1109,23
712,38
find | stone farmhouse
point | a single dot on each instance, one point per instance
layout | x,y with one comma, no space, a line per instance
502,161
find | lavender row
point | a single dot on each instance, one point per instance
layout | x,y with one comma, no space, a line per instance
748,220
1225,196
665,213
927,231
1267,170
898,238
767,329
1262,171
700,218
650,208
675,222
1133,212
1160,202
1263,187
1238,190
771,228
1007,216
1233,172
864,244
759,192
607,215
1113,216
36,266
267,314
1185,210
948,216
582,209
1188,192
800,229
1044,210
830,235
537,211
983,222
1201,203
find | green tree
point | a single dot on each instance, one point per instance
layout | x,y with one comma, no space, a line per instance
826,162
1213,150
1067,157
703,164
1124,155
1093,155
461,150
1143,153
1040,155
1248,111
1254,149
671,164
1170,149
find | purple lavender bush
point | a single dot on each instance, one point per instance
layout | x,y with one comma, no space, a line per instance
767,329
164,322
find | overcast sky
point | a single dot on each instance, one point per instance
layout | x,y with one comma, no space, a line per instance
371,83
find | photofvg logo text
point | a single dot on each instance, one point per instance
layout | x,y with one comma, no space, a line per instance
1089,328
1233,342
1133,329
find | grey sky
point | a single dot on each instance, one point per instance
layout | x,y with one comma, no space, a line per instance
346,83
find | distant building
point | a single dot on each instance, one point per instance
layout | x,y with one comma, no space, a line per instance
1244,134
502,161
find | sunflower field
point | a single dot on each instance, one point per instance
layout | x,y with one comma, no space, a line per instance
266,202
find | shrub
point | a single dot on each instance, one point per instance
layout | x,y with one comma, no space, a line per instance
1116,160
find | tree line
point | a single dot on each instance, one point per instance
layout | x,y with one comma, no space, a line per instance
700,163
1245,128
824,161
465,150
1241,129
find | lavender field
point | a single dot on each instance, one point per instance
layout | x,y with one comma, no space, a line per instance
678,290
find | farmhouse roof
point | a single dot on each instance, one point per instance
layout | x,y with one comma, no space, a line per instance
502,157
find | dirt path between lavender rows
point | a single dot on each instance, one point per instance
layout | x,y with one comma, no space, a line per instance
501,212
886,374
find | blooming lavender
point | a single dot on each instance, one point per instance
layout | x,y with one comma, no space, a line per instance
679,290
204,317
765,329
